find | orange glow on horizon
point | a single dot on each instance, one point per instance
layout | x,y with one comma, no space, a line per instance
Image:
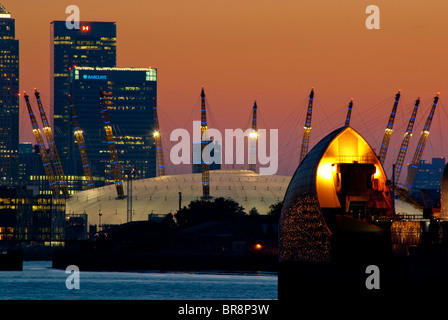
249,49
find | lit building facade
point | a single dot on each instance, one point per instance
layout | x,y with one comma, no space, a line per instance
25,217
94,44
30,166
48,219
9,100
32,173
9,202
428,175
129,96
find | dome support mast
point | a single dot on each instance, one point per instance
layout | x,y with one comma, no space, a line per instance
413,167
253,140
204,142
389,130
405,143
307,127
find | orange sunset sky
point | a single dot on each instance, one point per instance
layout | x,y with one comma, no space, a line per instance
272,51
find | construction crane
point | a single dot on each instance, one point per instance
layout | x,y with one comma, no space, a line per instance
389,130
158,142
42,149
405,143
79,135
204,141
413,167
349,113
54,156
307,128
116,170
253,139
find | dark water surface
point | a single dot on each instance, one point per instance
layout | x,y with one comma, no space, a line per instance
38,281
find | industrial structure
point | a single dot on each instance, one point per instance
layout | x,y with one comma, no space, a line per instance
349,113
389,129
340,188
42,149
307,127
405,143
253,140
338,216
204,141
81,145
54,156
413,167
347,177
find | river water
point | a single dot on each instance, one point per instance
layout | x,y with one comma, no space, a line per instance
38,281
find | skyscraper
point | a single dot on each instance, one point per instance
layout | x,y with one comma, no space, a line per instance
428,175
129,95
9,99
92,45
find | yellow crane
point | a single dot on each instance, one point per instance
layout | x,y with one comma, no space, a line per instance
79,135
112,148
54,156
389,130
413,167
42,149
405,143
307,127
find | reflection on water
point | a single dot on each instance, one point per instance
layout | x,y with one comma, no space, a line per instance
39,281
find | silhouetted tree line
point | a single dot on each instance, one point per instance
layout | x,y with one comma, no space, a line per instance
218,209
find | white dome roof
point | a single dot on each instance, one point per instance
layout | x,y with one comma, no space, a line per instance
160,195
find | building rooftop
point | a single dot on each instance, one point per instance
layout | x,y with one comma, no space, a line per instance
160,195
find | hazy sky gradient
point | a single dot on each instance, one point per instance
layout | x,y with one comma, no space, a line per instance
272,51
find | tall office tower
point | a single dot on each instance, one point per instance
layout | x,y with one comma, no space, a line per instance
92,45
9,100
129,94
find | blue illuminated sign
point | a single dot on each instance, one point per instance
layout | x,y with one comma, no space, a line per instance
95,77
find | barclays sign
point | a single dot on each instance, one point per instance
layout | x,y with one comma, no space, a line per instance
94,77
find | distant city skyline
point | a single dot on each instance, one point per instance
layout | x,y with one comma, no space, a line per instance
272,52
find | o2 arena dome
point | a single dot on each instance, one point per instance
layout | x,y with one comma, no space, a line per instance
160,195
